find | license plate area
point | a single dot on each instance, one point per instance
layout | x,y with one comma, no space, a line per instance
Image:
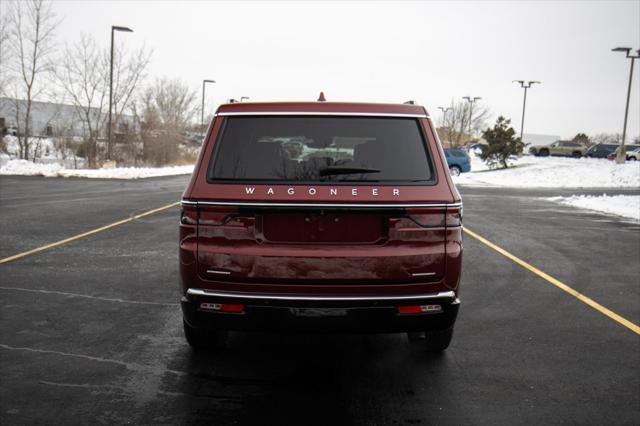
318,312
322,227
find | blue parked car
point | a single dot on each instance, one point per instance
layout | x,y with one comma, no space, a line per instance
458,161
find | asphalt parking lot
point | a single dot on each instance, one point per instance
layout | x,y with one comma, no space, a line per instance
90,331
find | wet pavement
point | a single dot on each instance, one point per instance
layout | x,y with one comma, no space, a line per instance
91,331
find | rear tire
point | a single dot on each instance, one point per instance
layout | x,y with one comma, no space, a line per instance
203,339
455,170
434,341
544,153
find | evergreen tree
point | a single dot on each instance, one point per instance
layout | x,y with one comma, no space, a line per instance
502,144
581,138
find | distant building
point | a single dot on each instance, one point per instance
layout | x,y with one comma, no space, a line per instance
52,119
532,139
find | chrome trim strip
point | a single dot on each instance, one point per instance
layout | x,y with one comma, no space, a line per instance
203,292
372,205
213,271
293,113
423,274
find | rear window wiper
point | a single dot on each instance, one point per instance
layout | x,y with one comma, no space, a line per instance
329,171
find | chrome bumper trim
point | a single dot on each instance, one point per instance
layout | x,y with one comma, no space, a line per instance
202,292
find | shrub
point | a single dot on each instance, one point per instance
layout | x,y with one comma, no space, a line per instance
502,144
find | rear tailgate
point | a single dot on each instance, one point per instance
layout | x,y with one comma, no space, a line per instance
332,245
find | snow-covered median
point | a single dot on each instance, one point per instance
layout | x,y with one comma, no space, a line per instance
28,168
619,205
552,172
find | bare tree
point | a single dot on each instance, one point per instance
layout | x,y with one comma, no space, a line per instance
129,70
455,124
5,77
32,26
167,109
613,138
83,77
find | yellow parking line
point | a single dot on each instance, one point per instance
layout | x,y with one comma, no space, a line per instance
595,305
86,234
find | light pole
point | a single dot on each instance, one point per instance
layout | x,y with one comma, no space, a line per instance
444,114
471,102
621,152
114,28
204,82
525,86
444,121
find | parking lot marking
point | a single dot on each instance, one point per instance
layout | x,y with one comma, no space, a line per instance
595,305
88,296
86,234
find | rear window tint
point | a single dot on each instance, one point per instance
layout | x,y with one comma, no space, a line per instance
321,149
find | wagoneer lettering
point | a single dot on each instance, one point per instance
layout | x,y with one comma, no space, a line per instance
322,191
321,216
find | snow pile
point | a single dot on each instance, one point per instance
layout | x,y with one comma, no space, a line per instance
24,167
619,205
46,150
551,172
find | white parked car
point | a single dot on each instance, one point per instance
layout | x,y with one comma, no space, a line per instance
633,155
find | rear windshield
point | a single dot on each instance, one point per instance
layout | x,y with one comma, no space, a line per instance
321,149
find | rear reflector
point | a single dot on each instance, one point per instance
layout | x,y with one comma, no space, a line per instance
419,309
222,307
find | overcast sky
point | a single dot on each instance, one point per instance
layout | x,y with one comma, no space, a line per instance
431,52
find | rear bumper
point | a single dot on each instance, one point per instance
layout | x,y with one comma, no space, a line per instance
319,314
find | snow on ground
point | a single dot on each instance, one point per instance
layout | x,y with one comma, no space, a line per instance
619,205
24,167
553,172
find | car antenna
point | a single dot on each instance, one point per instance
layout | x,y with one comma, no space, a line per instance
410,103
321,98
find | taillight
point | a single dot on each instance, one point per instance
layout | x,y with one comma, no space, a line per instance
208,215
453,216
427,217
424,218
189,215
216,215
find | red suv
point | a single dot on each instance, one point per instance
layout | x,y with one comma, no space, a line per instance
338,217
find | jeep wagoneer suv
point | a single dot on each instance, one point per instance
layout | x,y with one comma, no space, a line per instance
337,217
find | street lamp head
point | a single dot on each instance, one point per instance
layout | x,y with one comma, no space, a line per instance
622,49
467,98
208,81
124,29
534,82
518,81
477,98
